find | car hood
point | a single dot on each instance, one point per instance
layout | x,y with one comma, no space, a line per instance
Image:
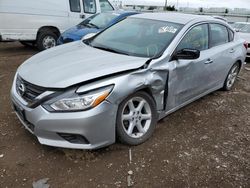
245,36
73,63
79,31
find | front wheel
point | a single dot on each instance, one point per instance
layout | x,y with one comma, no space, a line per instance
231,77
46,39
136,119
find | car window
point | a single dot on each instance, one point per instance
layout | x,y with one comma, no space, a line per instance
86,21
231,35
219,35
144,38
196,38
89,6
103,19
105,6
75,5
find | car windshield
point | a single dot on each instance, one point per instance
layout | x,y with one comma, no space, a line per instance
137,37
102,20
245,29
86,21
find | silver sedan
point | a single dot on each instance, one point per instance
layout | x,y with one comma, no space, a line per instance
117,84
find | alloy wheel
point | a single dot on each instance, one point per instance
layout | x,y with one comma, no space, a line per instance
232,76
136,117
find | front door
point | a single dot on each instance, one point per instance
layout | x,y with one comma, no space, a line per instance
190,78
75,12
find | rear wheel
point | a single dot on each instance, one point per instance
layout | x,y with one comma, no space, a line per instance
46,39
231,77
136,119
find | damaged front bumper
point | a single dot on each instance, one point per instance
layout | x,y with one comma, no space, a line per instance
90,129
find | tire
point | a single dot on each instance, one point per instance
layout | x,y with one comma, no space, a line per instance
231,77
46,39
135,125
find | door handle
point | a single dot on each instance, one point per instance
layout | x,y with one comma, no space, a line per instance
82,16
209,61
232,51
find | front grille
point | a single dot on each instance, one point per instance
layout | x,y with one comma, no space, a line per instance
248,45
28,91
67,40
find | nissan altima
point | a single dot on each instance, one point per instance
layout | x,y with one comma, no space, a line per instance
116,85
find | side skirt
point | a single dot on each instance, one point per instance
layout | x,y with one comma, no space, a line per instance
163,114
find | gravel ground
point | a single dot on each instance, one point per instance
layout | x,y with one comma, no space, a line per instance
205,144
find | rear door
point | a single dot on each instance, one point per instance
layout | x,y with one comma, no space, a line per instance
223,50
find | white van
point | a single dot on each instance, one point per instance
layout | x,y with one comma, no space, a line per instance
40,22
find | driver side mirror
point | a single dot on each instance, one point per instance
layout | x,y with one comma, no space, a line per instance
187,54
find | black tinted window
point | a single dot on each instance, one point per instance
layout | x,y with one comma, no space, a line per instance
219,35
196,38
75,5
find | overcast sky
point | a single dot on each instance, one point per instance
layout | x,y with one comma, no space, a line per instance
198,3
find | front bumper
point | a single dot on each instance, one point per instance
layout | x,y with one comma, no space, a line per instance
89,129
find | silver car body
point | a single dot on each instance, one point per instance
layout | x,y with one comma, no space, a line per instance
244,35
172,84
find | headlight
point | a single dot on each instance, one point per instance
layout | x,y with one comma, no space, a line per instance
79,102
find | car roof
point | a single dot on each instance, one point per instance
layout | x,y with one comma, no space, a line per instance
122,12
174,17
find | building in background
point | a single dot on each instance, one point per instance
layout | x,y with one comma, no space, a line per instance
158,5
231,14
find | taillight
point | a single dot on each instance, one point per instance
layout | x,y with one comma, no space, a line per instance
246,44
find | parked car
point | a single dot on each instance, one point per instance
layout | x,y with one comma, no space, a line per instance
238,25
41,22
119,83
244,32
94,24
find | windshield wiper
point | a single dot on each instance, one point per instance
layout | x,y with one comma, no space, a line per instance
110,50
93,25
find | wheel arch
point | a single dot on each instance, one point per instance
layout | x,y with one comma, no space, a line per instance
149,91
240,63
54,29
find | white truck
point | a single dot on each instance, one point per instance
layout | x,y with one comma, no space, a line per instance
40,22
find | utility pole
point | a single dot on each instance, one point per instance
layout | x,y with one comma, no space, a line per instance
166,4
